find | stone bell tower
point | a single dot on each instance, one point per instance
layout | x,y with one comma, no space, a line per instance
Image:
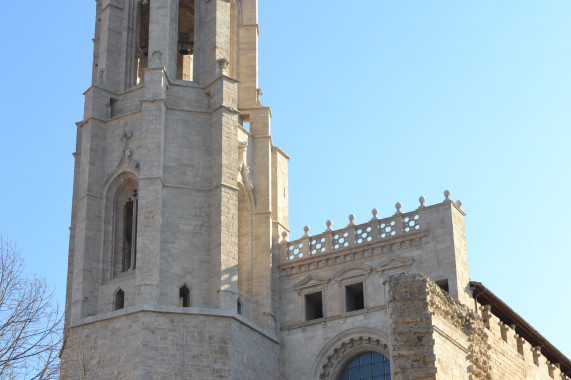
179,198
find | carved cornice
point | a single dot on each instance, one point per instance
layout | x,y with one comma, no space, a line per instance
413,240
311,282
357,272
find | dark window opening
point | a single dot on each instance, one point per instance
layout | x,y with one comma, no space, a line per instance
313,306
239,307
130,232
443,285
184,297
119,300
185,56
354,297
143,51
112,107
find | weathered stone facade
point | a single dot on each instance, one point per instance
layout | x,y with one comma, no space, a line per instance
180,262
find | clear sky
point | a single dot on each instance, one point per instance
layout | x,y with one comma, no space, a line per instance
376,102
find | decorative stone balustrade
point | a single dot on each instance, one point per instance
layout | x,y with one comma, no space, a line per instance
354,234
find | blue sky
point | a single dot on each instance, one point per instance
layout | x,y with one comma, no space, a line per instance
376,102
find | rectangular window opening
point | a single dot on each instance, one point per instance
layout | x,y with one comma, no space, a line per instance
313,306
443,284
354,297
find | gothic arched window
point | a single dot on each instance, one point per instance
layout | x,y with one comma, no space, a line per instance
129,250
368,366
184,296
119,300
124,227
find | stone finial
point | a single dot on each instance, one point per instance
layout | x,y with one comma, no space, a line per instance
329,223
224,63
375,212
306,229
284,236
459,203
258,95
351,220
447,195
398,206
422,201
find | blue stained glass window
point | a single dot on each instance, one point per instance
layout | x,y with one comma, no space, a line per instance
354,364
365,359
368,366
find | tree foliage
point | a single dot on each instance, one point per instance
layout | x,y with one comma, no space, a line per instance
30,323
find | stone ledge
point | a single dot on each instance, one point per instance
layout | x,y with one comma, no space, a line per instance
377,248
190,311
334,318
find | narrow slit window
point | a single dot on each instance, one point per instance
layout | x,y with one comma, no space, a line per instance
119,300
313,306
354,297
143,50
239,307
185,56
112,107
184,297
130,232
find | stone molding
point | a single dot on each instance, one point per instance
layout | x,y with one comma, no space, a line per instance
346,346
354,273
221,313
323,321
311,283
413,240
394,265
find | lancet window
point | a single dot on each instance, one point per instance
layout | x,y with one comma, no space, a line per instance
125,208
185,56
184,296
129,251
142,53
119,301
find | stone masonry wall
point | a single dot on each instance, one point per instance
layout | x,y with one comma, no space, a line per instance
412,343
161,345
514,358
434,336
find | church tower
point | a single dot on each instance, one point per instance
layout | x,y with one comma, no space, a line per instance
179,201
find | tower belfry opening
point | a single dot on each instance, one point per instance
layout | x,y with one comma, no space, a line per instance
144,16
185,45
